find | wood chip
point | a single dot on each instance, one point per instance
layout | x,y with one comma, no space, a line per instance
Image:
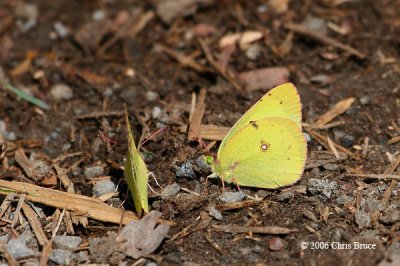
213,132
197,117
331,145
6,203
243,39
393,140
18,209
238,205
300,29
271,230
88,206
35,224
335,111
44,257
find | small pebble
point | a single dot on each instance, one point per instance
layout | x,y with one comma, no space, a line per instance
66,242
170,191
344,199
307,136
202,164
374,204
60,256
285,196
253,52
156,112
151,96
103,187
93,171
348,141
61,30
151,263
365,100
245,251
230,197
331,167
275,244
18,249
61,92
98,15
186,170
81,257
363,219
215,213
129,95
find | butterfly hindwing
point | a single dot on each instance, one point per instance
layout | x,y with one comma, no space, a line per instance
265,153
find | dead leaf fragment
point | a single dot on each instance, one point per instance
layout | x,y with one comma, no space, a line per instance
264,78
168,10
337,110
242,39
140,238
278,6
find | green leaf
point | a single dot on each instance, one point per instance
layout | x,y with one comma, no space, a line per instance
24,95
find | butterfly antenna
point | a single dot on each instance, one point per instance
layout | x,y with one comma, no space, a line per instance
152,136
236,182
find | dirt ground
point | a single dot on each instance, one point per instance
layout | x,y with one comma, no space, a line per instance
86,59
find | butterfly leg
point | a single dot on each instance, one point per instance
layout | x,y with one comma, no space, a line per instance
236,182
152,190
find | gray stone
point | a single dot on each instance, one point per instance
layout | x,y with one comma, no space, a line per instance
103,187
93,171
186,170
81,256
331,167
344,199
365,100
285,196
18,249
60,256
363,219
170,191
374,204
230,197
323,187
214,213
61,92
66,242
391,217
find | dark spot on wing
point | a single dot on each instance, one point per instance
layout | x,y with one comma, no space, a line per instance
254,124
269,94
280,102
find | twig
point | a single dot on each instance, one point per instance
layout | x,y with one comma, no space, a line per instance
322,140
184,60
213,132
6,202
18,209
300,29
84,205
272,230
45,253
238,205
96,115
197,117
217,67
375,176
60,219
35,224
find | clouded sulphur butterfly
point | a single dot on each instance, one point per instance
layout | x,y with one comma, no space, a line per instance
266,147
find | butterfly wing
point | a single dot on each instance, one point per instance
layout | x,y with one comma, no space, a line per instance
267,153
136,174
281,101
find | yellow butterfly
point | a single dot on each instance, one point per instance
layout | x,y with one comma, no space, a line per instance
136,174
266,147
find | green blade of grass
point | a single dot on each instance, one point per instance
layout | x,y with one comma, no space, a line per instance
25,96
